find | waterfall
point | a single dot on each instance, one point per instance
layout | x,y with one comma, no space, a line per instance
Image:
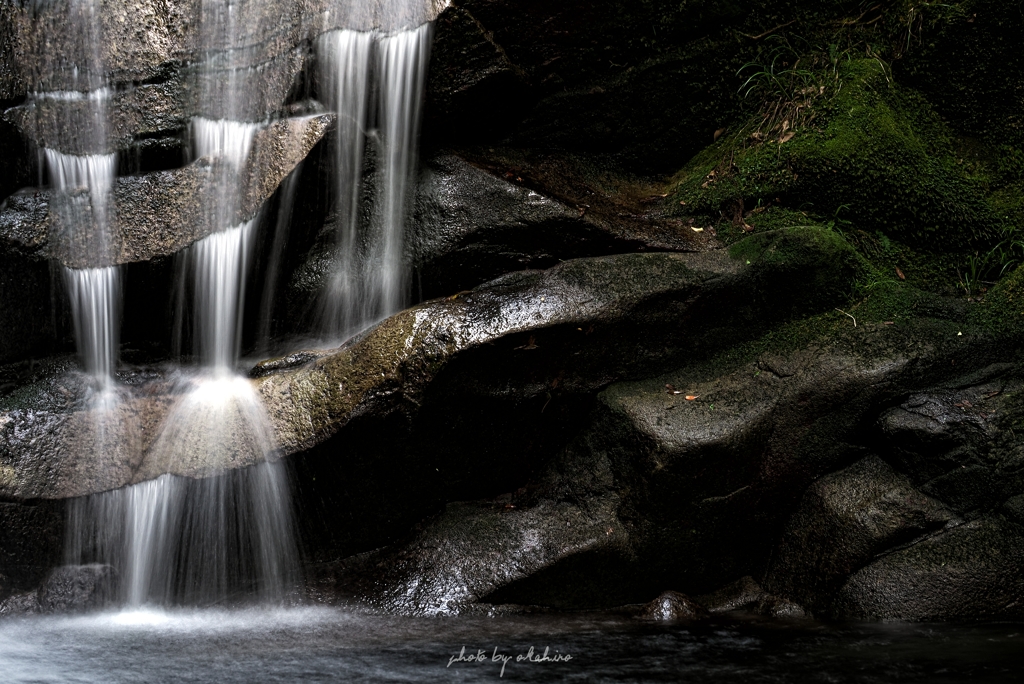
345,56
370,277
227,533
85,182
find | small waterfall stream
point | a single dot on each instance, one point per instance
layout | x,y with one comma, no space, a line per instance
227,534
371,76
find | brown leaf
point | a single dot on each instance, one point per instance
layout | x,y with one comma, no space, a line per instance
719,132
786,137
899,274
692,397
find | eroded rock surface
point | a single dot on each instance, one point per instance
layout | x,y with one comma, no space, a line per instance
159,213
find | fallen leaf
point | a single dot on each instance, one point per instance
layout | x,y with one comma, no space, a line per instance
672,390
695,229
899,273
785,125
888,323
683,203
692,397
786,137
719,132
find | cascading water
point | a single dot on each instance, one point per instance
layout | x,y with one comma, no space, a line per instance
229,533
370,278
345,56
85,183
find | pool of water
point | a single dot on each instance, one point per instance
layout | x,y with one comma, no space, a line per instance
327,645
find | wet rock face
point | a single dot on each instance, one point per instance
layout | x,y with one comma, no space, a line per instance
563,333
160,213
77,588
161,43
29,328
473,223
671,605
971,572
844,520
479,216
30,544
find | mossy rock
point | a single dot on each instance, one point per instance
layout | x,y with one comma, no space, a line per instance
1002,311
870,151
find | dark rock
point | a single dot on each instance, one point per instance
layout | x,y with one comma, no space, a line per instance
76,588
290,361
934,433
971,572
743,593
1014,509
473,549
478,216
474,92
30,328
844,520
708,484
567,300
776,607
473,223
967,489
581,315
20,604
671,605
30,542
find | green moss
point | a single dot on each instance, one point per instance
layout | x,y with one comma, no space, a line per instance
872,152
1002,311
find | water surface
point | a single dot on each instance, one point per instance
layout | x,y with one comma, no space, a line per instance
328,645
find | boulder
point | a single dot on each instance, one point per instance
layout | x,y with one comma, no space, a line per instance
671,606
743,593
474,91
844,521
471,550
970,572
77,588
710,463
480,217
